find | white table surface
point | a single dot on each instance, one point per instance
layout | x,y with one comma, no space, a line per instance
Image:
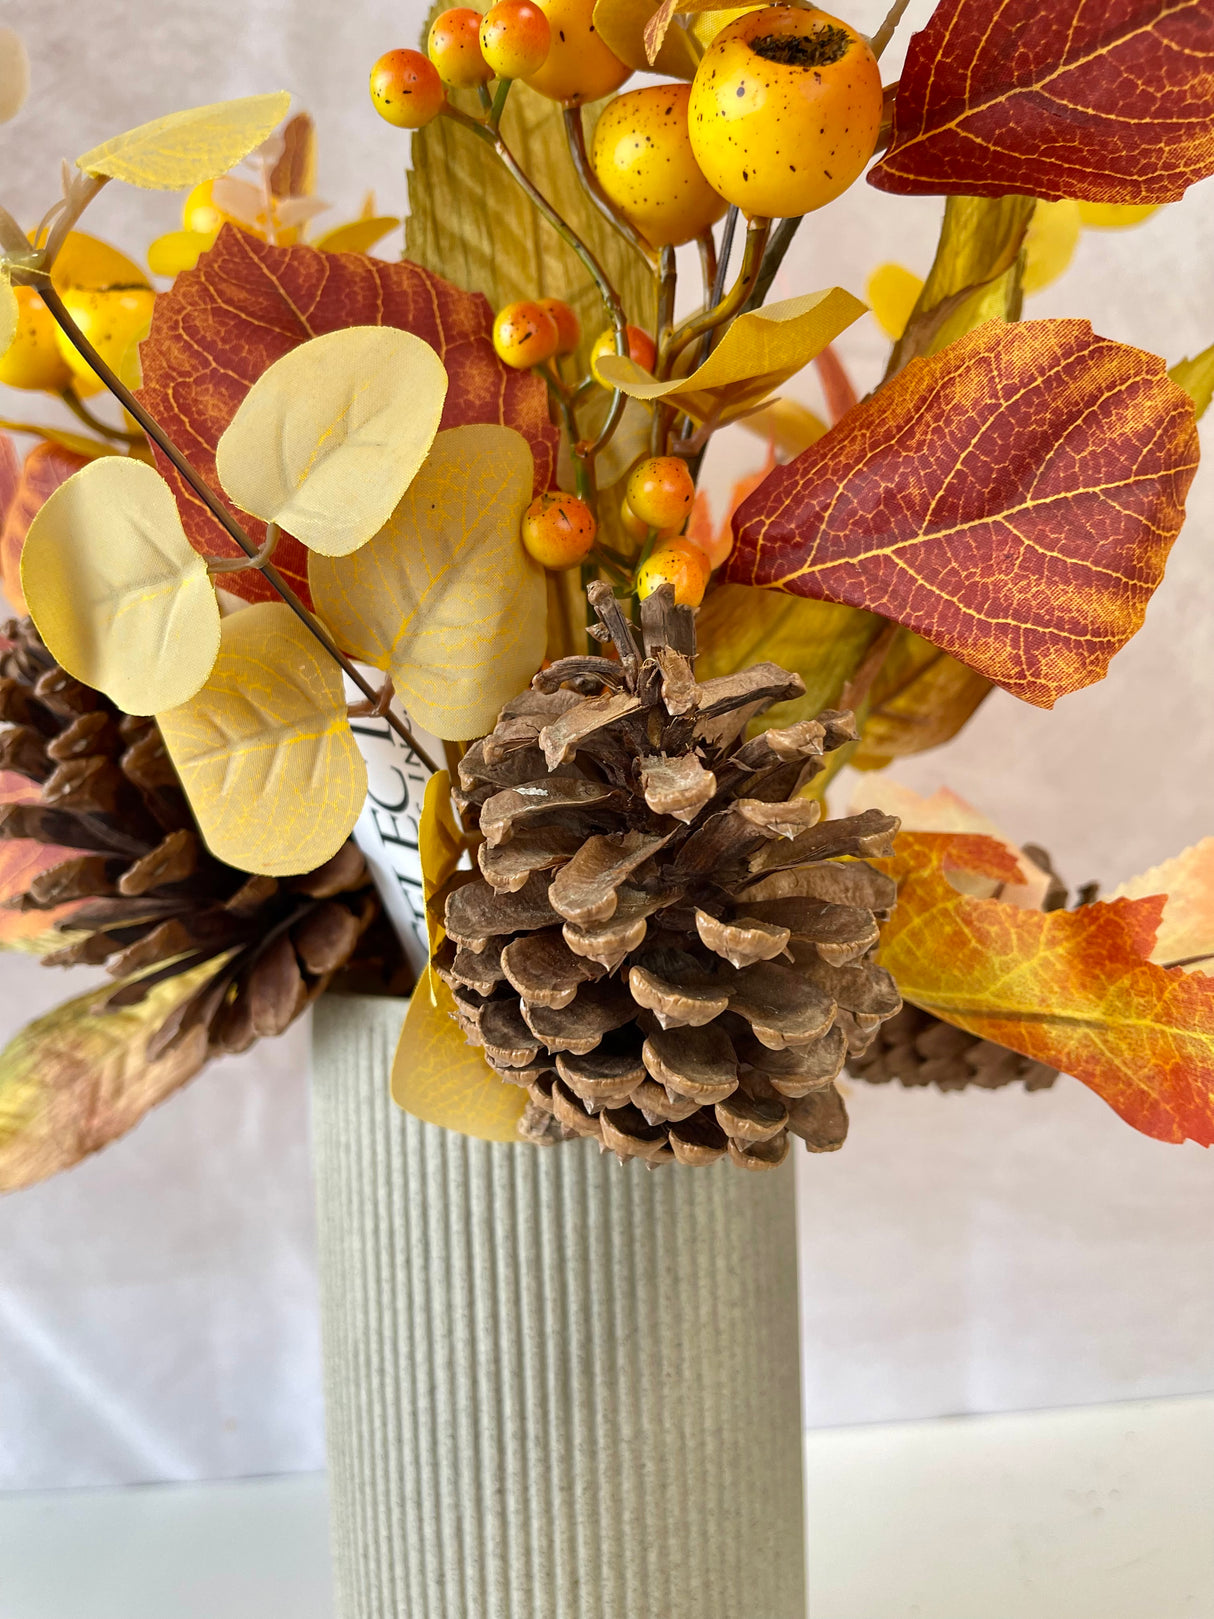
1098,1513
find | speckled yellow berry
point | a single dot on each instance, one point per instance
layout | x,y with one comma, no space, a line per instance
454,46
405,90
643,160
579,67
514,38
32,359
568,326
640,349
660,491
524,334
677,563
113,319
558,529
785,110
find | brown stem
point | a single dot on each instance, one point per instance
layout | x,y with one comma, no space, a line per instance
83,414
886,31
575,134
752,262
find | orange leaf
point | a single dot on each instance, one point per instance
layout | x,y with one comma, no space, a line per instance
46,467
1100,100
248,303
1074,989
1186,934
10,474
1012,499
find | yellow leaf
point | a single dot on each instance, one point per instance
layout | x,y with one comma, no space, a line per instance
760,351
119,595
1049,243
10,312
440,844
445,598
1116,215
1196,377
786,424
14,75
892,292
706,25
359,236
438,1078
186,148
264,750
328,439
77,443
178,250
621,24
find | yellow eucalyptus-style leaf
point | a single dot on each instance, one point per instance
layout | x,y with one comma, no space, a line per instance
622,25
10,313
761,350
1196,377
358,236
1116,215
119,595
445,598
14,74
440,844
438,1078
787,425
264,750
892,292
179,250
1049,243
328,439
186,148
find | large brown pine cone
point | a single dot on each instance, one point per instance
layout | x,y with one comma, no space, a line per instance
663,946
148,900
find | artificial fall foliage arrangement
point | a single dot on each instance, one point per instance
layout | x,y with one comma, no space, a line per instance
455,494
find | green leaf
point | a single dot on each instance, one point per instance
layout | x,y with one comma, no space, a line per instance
1196,377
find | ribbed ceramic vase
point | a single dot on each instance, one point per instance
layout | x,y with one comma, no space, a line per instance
557,1387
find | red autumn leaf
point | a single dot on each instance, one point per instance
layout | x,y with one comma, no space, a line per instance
247,304
1073,989
1099,100
46,467
1012,499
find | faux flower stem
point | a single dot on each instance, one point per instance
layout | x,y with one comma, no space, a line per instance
215,506
662,415
757,232
575,132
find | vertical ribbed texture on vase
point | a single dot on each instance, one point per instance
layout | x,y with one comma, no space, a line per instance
557,1388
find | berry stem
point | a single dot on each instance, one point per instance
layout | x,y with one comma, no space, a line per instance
499,104
83,414
663,415
575,132
886,31
734,301
214,505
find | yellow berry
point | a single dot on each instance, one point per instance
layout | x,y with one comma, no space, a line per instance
558,529
578,67
643,160
678,563
568,327
113,319
640,349
32,359
660,491
514,38
454,47
406,89
785,110
524,334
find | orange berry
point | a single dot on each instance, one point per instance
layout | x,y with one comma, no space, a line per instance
568,327
454,46
640,349
660,491
558,529
678,563
525,334
406,89
514,38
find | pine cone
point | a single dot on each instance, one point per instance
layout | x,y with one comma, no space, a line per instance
149,900
662,945
917,1048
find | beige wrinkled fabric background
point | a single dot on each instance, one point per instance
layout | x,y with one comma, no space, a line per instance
963,1253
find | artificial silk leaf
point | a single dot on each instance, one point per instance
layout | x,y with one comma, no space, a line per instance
186,148
892,292
45,467
786,424
10,472
758,352
1050,242
1012,499
248,303
10,312
14,75
641,35
1186,933
178,250
21,860
438,1078
264,750
1116,215
358,236
79,1077
329,438
1072,989
120,597
1196,377
920,699
1101,100
294,171
445,598
440,846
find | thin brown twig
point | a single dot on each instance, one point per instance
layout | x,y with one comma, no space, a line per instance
886,31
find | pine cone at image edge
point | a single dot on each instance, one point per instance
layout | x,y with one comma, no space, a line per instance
148,901
663,945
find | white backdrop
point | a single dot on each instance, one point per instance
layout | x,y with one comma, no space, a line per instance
963,1253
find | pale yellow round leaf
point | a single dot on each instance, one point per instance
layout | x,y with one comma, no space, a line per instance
264,750
186,148
329,438
118,593
14,74
445,597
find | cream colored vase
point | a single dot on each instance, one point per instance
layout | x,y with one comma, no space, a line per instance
557,1388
